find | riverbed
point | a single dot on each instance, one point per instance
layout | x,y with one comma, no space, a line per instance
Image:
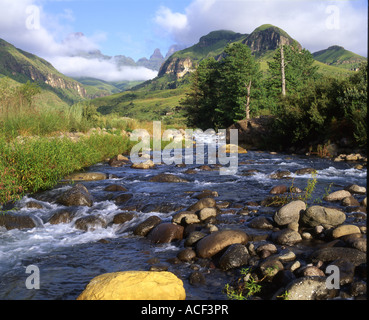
68,258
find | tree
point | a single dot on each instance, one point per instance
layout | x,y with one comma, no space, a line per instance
290,70
240,74
222,91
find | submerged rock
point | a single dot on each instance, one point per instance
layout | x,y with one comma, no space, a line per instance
11,221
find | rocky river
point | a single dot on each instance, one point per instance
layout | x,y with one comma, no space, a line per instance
157,219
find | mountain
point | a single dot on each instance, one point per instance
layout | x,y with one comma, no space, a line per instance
339,57
154,63
159,98
22,66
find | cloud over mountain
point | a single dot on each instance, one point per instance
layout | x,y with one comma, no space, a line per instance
316,24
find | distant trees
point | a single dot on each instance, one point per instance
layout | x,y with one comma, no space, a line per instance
222,91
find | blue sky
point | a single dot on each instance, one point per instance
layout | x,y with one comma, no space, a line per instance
135,28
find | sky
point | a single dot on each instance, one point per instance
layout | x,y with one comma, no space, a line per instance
135,28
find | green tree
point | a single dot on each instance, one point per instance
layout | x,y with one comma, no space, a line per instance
223,92
240,75
298,70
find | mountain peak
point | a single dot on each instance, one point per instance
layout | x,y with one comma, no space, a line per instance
157,55
268,37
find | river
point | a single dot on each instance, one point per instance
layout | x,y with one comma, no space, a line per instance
68,258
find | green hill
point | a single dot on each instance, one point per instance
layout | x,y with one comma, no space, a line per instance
22,66
339,57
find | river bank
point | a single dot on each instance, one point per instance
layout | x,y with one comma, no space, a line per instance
186,219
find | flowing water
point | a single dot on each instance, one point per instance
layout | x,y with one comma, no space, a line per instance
69,258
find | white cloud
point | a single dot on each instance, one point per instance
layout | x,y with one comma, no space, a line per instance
24,24
101,69
307,21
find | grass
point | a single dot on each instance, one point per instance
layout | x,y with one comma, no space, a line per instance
36,164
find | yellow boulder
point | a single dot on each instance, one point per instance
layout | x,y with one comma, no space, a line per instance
135,285
232,148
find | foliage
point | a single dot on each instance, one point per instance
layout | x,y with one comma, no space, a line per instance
218,95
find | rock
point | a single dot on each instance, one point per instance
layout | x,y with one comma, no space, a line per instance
135,285
270,267
123,217
318,215
235,256
206,213
232,148
115,188
354,256
346,269
149,164
217,241
13,221
305,171
307,288
345,230
146,226
350,201
312,271
186,255
86,176
364,202
203,203
267,246
286,237
166,233
34,205
90,223
337,195
280,189
196,278
358,288
123,198
76,196
206,194
354,188
261,223
185,218
289,213
166,177
62,216
118,161
280,174
193,238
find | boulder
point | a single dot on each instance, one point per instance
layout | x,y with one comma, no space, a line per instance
232,148
166,177
186,255
166,233
356,257
146,226
185,218
235,256
86,176
318,215
135,285
12,221
280,189
149,164
206,213
217,241
344,230
76,196
286,237
337,195
123,198
289,213
123,217
62,216
354,188
203,203
90,223
305,171
280,174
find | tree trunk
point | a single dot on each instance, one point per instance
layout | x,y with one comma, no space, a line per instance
248,102
283,73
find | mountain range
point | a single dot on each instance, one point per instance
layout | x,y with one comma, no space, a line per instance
159,96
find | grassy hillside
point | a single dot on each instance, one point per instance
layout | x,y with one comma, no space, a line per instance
339,57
